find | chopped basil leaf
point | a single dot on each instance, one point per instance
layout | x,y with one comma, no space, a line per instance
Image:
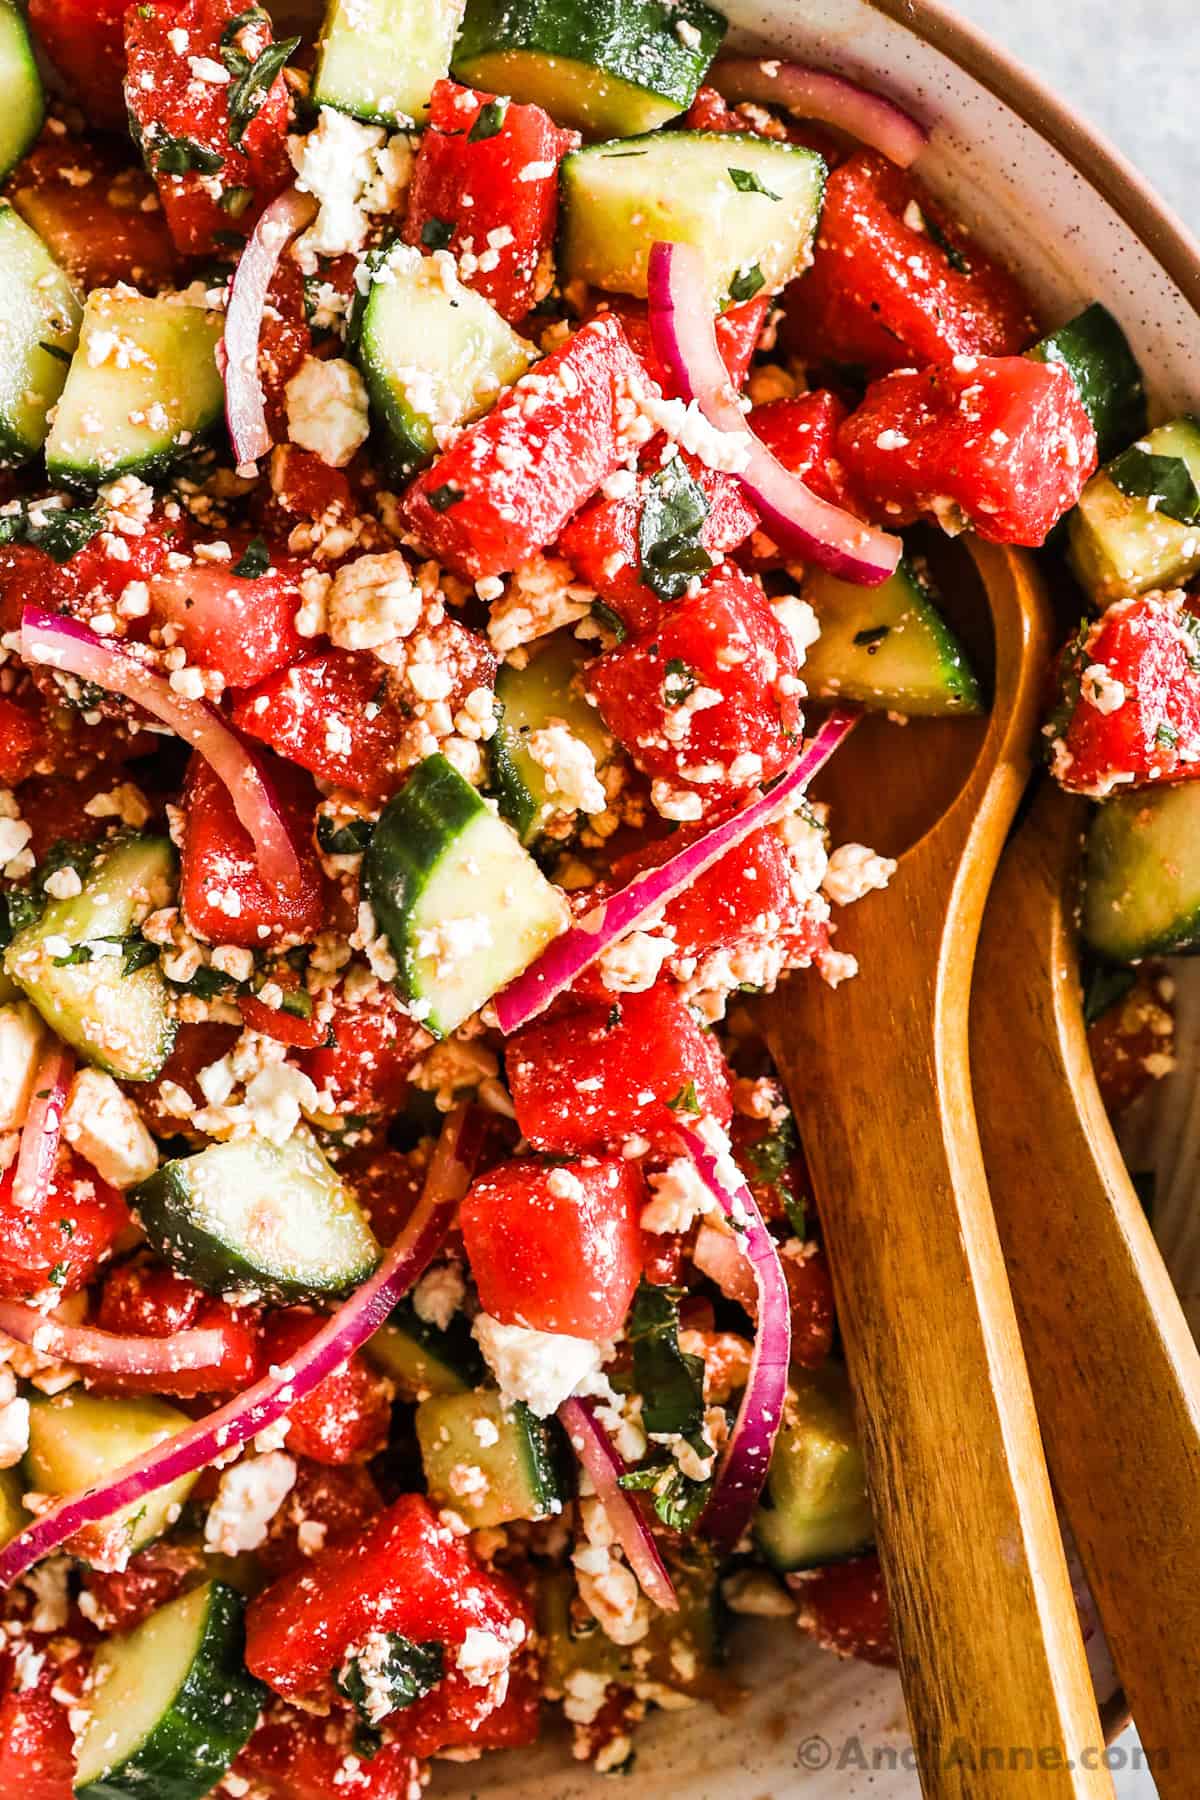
253,15
298,1002
235,200
611,621
679,684
669,544
208,984
254,561
747,182
1166,736
1166,480
138,953
350,839
953,255
870,639
746,282
489,120
443,498
686,1100
401,1676
670,1382
769,1162
436,233
1106,988
253,81
182,156
676,1498
58,530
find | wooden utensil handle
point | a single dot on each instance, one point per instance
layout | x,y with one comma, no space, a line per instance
1115,1370
992,1658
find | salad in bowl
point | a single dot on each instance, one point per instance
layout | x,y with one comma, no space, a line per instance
463,476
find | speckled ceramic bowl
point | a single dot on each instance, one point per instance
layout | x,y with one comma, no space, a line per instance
1034,180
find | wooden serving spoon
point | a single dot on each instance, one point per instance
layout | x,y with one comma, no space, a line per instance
1115,1369
990,1651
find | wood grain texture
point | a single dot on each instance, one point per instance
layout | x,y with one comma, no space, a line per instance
990,1651
1115,1370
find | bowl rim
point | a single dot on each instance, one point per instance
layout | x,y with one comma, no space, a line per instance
1118,181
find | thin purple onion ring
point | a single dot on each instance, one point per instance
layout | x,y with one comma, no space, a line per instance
809,93
42,1130
245,413
747,1456
594,1448
62,643
241,1419
798,521
559,964
112,1351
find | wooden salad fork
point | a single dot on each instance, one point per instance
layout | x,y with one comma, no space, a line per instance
1114,1366
990,1650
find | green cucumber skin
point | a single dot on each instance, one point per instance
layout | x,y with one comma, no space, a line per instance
418,1354
30,317
634,40
517,804
433,807
1096,351
523,1467
207,1725
952,688
1117,547
1141,893
24,101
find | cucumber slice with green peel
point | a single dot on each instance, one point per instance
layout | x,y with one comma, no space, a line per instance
378,59
142,387
542,693
434,354
173,1704
13,1516
815,1508
71,962
490,1462
77,1438
1141,894
887,647
748,204
39,328
609,68
251,1216
463,906
1106,372
421,1359
1121,544
21,85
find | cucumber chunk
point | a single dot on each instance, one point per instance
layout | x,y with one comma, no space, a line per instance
609,68
1106,372
543,693
77,1438
253,1216
39,328
462,905
748,204
682,1651
888,647
434,354
70,962
421,1359
174,1704
1141,895
815,1509
378,59
21,85
13,1516
142,386
491,1463
1121,545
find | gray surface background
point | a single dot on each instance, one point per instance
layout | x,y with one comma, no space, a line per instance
1132,69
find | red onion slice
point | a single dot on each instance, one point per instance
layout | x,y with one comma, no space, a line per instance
594,1448
109,1350
809,93
62,643
269,1399
747,1456
559,964
244,407
681,326
42,1130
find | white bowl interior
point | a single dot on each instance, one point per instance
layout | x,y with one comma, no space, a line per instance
808,1719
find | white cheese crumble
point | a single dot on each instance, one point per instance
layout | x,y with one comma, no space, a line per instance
569,767
680,1198
372,601
104,1125
327,409
439,1294
21,1040
853,870
542,1368
799,621
249,1496
352,170
687,426
1102,690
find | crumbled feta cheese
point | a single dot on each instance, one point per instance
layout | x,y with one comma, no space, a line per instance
542,1368
275,1097
799,621
249,1496
14,835
336,162
104,1125
541,595
373,601
680,1198
853,871
439,1294
1100,689
483,1660
634,962
327,409
14,1432
687,426
569,767
22,1036
608,1588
